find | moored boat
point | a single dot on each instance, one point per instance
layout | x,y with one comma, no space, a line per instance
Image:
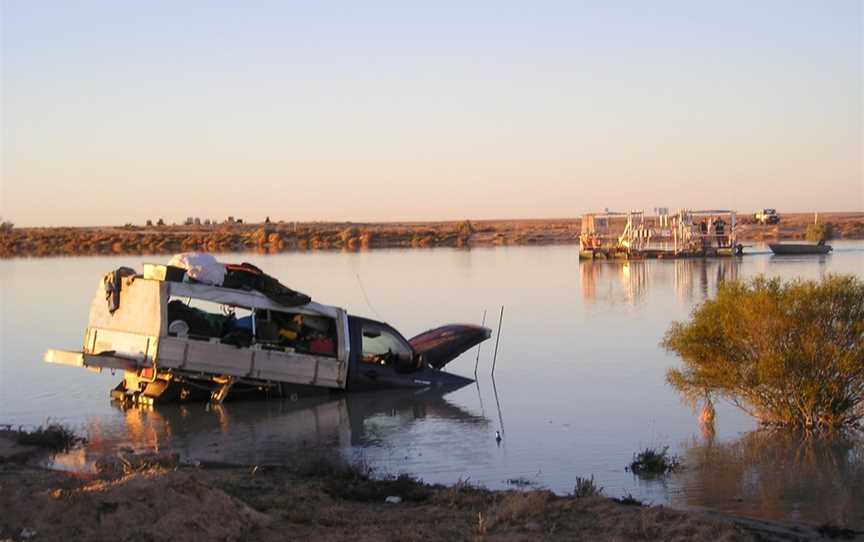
789,249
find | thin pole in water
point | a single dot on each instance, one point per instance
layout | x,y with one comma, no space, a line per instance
477,361
497,338
498,404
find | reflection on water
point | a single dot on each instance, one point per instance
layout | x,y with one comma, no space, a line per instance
628,282
269,432
777,474
579,380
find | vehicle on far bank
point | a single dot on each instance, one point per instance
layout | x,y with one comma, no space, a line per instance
767,216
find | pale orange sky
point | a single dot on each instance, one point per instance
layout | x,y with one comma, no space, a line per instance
446,111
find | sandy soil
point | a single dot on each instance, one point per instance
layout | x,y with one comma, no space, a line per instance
153,499
288,236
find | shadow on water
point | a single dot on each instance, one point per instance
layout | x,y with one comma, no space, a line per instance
267,432
777,474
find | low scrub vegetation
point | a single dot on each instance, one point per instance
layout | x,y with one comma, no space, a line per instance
327,463
629,500
789,354
54,437
520,507
272,237
404,486
586,487
519,481
653,462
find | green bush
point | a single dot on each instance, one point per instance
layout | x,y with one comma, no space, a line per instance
653,462
789,354
53,437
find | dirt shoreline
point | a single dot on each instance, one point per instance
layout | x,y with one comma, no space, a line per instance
152,498
300,236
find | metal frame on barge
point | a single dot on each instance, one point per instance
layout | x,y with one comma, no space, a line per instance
633,235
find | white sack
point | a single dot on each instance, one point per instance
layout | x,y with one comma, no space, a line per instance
200,266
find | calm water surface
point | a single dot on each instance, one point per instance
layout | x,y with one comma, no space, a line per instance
579,381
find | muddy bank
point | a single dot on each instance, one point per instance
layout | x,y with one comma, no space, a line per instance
295,236
152,498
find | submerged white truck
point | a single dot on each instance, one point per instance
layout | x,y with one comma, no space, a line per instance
176,340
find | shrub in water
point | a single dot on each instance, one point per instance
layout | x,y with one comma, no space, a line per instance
789,354
653,461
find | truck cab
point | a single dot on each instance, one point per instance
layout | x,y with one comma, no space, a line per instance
382,358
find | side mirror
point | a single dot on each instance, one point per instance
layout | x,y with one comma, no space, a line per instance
405,362
404,357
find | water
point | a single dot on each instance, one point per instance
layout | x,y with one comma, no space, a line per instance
579,381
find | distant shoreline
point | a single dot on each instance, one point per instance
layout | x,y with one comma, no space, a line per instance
279,237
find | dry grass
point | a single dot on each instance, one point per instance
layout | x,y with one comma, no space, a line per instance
267,504
585,487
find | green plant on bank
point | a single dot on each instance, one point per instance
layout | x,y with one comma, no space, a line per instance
629,500
789,354
519,481
816,233
53,437
653,462
585,487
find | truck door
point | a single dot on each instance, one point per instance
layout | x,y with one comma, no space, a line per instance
380,357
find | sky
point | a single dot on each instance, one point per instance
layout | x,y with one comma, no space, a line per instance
119,111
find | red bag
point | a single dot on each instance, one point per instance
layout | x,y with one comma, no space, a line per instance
322,346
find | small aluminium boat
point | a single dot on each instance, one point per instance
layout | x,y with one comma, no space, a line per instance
790,249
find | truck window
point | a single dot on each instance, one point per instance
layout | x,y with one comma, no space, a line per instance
305,334
382,346
201,319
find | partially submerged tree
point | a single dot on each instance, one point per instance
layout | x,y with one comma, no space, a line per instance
788,354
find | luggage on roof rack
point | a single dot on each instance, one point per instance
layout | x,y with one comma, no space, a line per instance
246,276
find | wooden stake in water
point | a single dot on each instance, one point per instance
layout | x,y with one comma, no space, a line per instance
497,338
498,404
477,361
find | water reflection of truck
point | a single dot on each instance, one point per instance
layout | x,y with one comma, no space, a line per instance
272,432
179,340
767,216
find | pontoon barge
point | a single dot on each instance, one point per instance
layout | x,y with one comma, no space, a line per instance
178,340
633,235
